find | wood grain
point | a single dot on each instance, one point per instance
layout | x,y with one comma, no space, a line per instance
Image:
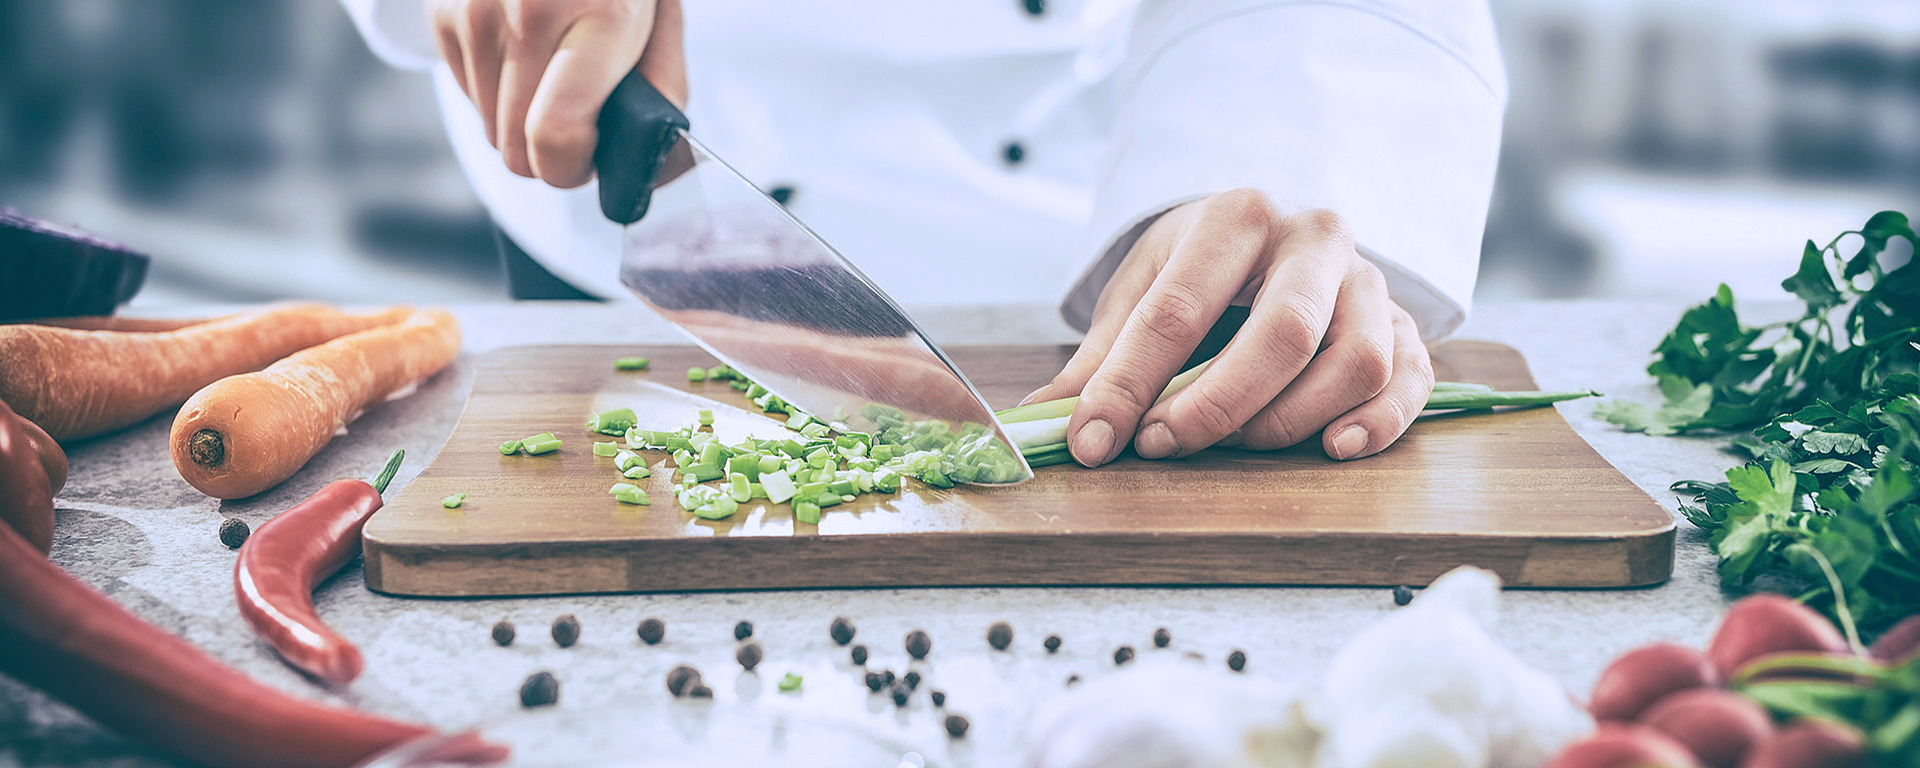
1517,492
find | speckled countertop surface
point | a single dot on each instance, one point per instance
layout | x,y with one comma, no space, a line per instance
130,526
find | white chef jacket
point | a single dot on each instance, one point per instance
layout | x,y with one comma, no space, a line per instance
894,126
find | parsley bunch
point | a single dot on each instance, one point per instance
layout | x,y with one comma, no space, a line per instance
1826,503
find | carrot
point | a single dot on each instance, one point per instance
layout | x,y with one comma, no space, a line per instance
117,323
244,434
76,383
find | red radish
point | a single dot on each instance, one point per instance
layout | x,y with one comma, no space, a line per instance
1719,726
1899,644
1624,745
1766,623
1810,743
1646,674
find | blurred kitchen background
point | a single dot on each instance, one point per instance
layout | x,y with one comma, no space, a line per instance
1653,148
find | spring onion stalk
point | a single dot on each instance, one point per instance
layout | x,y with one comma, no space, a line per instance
631,363
605,450
454,501
1477,400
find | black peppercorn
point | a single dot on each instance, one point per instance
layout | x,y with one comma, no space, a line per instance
540,689
652,630
912,680
1122,655
699,691
1161,637
1402,595
859,654
1000,635
1052,643
1237,660
233,532
939,698
900,694
503,633
918,644
876,681
743,630
749,655
680,678
888,674
957,726
566,630
1073,679
841,630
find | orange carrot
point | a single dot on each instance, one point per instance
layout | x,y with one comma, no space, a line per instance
76,383
244,434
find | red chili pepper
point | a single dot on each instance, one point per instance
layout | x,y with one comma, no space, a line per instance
26,498
283,560
62,637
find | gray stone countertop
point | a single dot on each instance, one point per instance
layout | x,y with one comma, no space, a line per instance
128,525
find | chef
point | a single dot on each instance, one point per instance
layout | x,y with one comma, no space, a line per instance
1321,169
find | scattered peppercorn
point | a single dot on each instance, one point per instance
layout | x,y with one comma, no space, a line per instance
1073,679
743,630
913,680
859,654
841,630
699,691
1161,637
888,675
233,532
1052,643
918,644
680,678
900,694
1000,635
875,682
503,633
1402,595
749,655
566,630
1122,655
652,630
957,726
540,690
1237,660
939,698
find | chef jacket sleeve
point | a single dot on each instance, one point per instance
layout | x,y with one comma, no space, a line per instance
1384,111
396,31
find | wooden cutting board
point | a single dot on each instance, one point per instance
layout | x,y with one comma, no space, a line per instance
1517,492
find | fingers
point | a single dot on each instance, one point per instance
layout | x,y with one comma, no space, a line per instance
1208,264
480,32
1311,283
1117,300
665,61
1378,422
591,58
1353,365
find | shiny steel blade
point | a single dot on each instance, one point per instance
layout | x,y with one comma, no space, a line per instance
767,296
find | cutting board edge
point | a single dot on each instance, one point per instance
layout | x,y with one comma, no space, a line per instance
1525,561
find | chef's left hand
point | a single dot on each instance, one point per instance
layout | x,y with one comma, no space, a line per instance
1323,350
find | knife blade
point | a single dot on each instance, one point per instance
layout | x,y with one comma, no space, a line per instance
710,252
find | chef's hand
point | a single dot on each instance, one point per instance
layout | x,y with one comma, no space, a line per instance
539,70
1323,350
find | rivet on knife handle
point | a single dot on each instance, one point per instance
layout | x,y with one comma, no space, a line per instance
638,127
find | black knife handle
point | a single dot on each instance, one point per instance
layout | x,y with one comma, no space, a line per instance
637,128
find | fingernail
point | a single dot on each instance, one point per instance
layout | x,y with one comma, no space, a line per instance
1031,395
1093,445
1154,442
1349,442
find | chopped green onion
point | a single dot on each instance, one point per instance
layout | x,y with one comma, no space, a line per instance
696,373
510,447
799,420
806,512
625,460
740,488
454,501
790,683
630,363
544,446
779,486
720,508
614,422
704,472
628,493
636,472
539,438
605,449
706,417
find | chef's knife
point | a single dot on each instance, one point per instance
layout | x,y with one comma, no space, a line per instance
709,251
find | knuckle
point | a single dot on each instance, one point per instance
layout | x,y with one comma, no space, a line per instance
1208,410
1369,365
1174,314
1296,333
1273,429
1367,278
1323,224
1246,207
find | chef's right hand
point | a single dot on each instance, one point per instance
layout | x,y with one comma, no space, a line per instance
539,70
